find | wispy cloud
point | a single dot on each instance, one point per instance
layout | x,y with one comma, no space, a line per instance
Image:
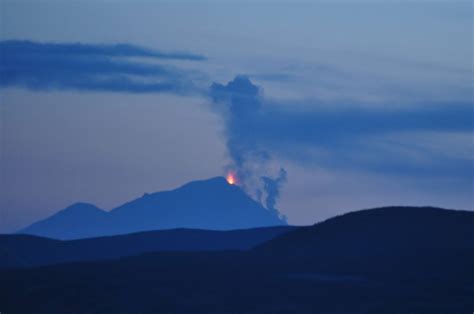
76,66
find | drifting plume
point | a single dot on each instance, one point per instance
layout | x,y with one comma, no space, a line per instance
272,188
240,104
338,137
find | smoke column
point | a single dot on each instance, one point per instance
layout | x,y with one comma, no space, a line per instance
240,105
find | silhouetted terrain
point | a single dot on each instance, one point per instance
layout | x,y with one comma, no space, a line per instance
389,232
209,204
389,260
79,220
28,251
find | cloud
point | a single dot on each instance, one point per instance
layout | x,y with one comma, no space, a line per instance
374,139
76,66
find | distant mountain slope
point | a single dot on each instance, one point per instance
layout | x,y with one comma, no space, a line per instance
29,251
75,221
209,204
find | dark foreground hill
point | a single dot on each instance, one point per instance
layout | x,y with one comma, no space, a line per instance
30,251
380,268
210,204
384,233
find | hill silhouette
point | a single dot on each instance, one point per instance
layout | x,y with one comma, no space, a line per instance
211,204
387,231
30,251
387,260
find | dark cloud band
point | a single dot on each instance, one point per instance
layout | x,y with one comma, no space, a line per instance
51,66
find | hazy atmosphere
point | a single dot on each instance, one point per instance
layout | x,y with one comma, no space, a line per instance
317,108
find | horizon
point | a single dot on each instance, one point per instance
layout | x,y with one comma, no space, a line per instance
222,179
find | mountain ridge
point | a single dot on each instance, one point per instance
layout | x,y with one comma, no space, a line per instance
23,250
212,204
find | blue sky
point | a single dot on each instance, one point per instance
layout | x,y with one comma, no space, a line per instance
362,103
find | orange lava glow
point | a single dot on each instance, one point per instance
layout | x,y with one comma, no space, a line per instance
231,179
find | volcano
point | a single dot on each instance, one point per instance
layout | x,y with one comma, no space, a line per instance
211,204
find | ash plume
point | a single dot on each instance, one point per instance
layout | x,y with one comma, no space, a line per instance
272,187
239,102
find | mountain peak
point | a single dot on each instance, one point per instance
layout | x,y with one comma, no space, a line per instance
215,182
81,206
212,184
80,209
